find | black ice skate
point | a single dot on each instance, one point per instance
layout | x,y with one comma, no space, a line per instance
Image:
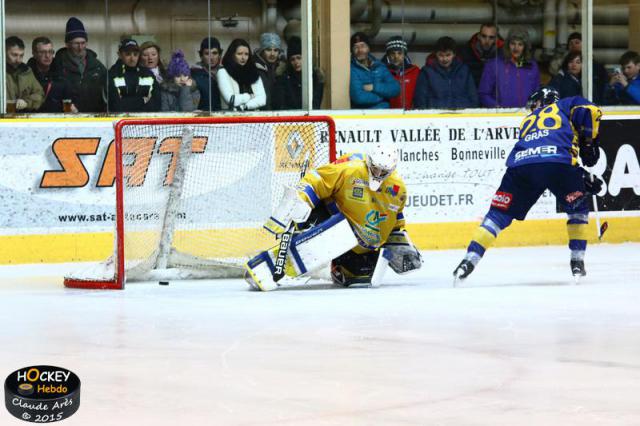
462,271
577,269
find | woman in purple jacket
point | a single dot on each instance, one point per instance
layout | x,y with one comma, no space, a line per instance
509,79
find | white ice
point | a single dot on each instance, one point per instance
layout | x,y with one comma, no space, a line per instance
518,344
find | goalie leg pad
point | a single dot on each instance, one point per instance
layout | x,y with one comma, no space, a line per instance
308,251
403,256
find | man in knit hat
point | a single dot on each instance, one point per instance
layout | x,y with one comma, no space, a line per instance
269,63
508,81
132,88
79,66
401,68
371,84
204,74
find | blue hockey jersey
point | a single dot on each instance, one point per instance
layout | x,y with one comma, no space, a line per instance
552,133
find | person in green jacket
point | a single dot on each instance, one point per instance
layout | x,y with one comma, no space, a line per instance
22,86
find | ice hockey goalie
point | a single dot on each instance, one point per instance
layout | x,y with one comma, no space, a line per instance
346,213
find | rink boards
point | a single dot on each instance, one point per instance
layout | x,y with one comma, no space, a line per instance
451,164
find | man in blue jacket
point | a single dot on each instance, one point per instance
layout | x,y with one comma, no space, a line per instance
445,82
372,85
624,86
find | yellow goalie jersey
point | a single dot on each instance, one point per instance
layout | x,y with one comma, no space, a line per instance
345,185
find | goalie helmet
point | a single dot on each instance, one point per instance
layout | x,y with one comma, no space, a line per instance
546,95
381,162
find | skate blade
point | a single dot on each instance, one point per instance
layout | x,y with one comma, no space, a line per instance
457,281
576,279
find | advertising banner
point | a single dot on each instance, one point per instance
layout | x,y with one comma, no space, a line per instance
58,175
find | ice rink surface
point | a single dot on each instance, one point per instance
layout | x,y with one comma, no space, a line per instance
518,344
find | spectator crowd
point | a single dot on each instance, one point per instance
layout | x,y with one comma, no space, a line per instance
488,71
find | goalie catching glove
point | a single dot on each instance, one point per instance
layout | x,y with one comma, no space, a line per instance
292,208
404,256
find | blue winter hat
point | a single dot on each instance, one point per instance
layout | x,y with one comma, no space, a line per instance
178,65
75,29
270,40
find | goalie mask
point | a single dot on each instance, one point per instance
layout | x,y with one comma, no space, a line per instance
381,162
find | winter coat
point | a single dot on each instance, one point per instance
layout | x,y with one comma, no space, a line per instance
233,99
128,88
618,95
287,93
269,73
385,86
87,89
22,84
407,77
445,88
566,84
474,57
179,98
206,82
504,84
600,78
55,89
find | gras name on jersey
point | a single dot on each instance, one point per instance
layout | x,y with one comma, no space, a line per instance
544,151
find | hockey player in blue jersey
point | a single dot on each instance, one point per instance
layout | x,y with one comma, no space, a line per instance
553,137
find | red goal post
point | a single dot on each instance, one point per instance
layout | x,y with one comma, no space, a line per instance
192,193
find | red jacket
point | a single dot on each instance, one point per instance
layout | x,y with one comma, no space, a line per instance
407,77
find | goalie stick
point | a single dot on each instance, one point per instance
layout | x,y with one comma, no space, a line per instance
287,236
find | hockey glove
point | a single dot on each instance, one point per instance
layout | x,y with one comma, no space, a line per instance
405,256
592,183
589,151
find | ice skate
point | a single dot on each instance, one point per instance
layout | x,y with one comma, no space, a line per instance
462,271
577,270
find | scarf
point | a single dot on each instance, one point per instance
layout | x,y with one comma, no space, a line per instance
244,75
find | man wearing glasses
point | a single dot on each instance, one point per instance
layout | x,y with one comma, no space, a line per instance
482,46
40,63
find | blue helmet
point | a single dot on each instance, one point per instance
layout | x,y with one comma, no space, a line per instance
546,95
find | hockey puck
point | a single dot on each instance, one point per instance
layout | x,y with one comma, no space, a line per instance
163,282
42,393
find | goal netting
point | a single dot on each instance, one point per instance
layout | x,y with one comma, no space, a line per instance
192,194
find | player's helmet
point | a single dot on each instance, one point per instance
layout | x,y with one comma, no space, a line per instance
381,162
546,95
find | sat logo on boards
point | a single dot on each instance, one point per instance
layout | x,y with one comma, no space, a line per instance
73,173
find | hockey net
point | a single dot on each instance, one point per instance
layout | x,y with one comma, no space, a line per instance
192,194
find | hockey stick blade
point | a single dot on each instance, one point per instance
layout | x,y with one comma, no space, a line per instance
603,229
287,236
